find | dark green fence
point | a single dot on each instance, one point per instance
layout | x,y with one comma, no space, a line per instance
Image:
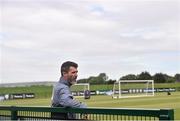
116,114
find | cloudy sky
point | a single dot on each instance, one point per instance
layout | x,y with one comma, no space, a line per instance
117,37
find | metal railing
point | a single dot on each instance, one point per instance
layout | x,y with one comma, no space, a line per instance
98,114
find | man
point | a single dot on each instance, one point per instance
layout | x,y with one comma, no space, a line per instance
62,96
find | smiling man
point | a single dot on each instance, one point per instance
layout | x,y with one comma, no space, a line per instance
62,96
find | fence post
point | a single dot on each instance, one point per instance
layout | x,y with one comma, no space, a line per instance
13,113
166,114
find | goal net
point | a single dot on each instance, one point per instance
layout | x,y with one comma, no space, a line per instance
133,88
79,89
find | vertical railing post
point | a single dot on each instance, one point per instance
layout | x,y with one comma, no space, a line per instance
13,113
166,114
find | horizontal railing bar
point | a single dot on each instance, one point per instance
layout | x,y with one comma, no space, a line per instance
114,111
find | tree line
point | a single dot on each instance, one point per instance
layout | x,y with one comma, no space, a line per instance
102,78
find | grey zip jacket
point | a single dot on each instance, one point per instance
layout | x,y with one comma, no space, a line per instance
62,96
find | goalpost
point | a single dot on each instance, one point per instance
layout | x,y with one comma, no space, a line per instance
133,88
79,89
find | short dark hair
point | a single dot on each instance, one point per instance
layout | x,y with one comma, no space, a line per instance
66,65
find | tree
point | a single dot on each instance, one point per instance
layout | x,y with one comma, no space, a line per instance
177,77
110,81
169,79
159,78
129,77
93,80
100,79
103,76
144,76
82,81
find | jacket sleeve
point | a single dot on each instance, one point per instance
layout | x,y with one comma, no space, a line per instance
66,99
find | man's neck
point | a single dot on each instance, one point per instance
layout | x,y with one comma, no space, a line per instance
64,78
65,81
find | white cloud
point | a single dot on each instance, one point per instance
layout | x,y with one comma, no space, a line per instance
116,37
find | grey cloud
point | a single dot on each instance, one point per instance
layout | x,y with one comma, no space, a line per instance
116,37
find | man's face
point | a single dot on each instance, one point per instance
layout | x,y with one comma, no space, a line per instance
72,75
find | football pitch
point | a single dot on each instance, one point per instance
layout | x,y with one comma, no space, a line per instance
160,100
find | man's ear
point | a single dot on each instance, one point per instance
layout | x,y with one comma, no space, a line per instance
64,73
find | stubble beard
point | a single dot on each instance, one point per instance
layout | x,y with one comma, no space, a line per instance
73,80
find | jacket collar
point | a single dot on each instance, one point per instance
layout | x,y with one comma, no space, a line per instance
66,82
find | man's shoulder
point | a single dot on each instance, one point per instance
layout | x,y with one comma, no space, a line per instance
59,85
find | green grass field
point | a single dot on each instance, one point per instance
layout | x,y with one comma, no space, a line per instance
160,100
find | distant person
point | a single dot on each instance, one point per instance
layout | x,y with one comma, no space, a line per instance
62,96
87,94
168,93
